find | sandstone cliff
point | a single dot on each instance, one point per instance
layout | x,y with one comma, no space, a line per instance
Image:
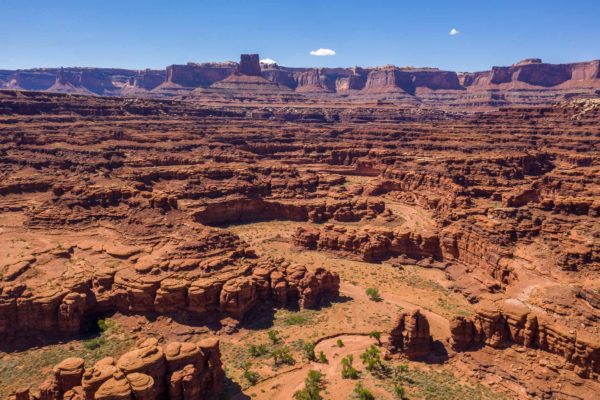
512,323
530,81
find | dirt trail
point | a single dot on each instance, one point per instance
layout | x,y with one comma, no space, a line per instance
282,386
440,326
285,385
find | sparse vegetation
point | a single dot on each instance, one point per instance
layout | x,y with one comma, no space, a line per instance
274,337
309,351
295,319
323,358
371,359
282,356
362,393
377,336
438,385
31,367
258,350
374,294
290,326
94,343
348,370
103,325
313,384
399,392
250,376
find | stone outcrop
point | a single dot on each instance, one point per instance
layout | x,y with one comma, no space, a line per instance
249,64
530,81
249,210
144,289
512,323
175,371
196,75
372,244
389,79
88,81
411,336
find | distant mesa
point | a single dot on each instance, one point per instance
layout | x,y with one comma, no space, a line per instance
529,81
247,83
249,65
528,61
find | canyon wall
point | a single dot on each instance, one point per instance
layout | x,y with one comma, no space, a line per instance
63,312
528,82
512,323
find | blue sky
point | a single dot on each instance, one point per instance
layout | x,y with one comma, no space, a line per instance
153,34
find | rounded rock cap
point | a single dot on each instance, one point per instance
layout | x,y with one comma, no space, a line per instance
70,365
178,350
208,343
116,388
140,382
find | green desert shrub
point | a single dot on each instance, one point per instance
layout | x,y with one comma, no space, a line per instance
371,358
257,350
362,393
374,294
348,370
313,385
282,355
309,351
323,358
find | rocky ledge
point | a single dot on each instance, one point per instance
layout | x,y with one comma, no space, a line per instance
510,323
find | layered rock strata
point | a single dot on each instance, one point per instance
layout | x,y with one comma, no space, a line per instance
512,323
372,244
105,203
163,286
411,336
530,81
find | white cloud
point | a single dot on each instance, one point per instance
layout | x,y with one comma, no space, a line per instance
322,52
454,32
268,61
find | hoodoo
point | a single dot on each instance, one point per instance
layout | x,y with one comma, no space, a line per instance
411,336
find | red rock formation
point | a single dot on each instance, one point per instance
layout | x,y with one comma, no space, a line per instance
511,323
196,75
249,64
167,284
434,79
280,76
311,82
104,203
247,210
527,82
371,245
389,79
411,336
177,371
